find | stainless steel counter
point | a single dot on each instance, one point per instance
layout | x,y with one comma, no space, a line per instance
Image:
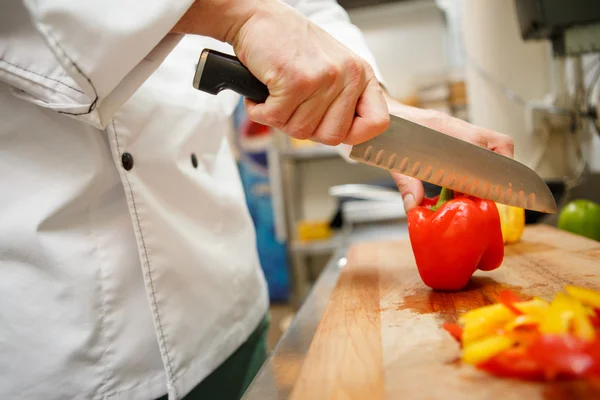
278,375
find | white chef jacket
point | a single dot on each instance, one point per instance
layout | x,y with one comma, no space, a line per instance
125,271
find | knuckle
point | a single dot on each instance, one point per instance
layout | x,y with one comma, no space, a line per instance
332,72
301,82
479,138
510,145
355,71
300,131
332,139
379,122
274,118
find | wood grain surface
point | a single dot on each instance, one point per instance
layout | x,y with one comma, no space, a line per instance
381,338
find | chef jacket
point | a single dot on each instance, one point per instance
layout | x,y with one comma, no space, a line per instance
128,264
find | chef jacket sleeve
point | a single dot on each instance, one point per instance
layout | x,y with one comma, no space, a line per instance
332,17
84,58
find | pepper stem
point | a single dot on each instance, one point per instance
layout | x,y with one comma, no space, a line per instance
445,195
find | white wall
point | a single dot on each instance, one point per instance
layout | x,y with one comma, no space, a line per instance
407,40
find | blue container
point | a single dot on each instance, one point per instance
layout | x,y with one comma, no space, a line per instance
252,141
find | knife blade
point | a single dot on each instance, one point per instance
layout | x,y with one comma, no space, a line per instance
407,147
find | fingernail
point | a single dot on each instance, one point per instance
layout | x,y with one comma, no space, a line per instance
409,201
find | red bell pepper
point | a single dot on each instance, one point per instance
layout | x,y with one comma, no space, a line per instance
454,238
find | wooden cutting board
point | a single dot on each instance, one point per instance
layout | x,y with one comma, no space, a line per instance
380,336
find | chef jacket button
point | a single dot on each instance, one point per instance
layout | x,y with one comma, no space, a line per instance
194,161
127,161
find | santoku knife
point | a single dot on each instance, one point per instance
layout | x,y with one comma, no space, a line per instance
407,147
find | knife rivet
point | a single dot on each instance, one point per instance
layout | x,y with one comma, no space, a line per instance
127,161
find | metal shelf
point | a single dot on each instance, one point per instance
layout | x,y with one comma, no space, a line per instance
317,247
310,153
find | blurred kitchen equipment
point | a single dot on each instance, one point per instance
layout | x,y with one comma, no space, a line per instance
406,147
531,72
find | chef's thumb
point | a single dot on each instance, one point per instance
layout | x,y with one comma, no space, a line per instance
411,189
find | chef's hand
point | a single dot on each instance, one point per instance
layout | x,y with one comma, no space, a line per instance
411,188
319,89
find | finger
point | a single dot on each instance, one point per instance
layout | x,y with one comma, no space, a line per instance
337,120
308,116
479,139
411,189
372,115
489,139
279,106
501,143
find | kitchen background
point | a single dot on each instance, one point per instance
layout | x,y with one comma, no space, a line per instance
465,58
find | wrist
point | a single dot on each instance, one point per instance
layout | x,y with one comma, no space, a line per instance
219,19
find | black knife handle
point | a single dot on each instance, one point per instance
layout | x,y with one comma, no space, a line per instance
218,71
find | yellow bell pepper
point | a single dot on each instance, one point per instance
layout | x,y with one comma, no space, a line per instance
588,297
512,222
485,349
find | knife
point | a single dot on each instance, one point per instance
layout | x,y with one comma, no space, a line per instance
407,147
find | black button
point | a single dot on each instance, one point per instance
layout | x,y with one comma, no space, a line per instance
127,161
194,161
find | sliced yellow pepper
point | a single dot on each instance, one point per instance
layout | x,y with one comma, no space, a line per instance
512,222
484,321
485,349
588,297
535,307
559,316
494,311
581,323
521,320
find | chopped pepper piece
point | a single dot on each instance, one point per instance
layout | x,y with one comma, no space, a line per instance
486,348
513,363
454,238
484,322
559,316
509,299
534,339
586,296
455,330
535,307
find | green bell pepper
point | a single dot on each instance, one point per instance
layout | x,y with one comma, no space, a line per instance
581,217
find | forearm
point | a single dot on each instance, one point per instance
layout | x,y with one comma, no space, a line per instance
219,19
